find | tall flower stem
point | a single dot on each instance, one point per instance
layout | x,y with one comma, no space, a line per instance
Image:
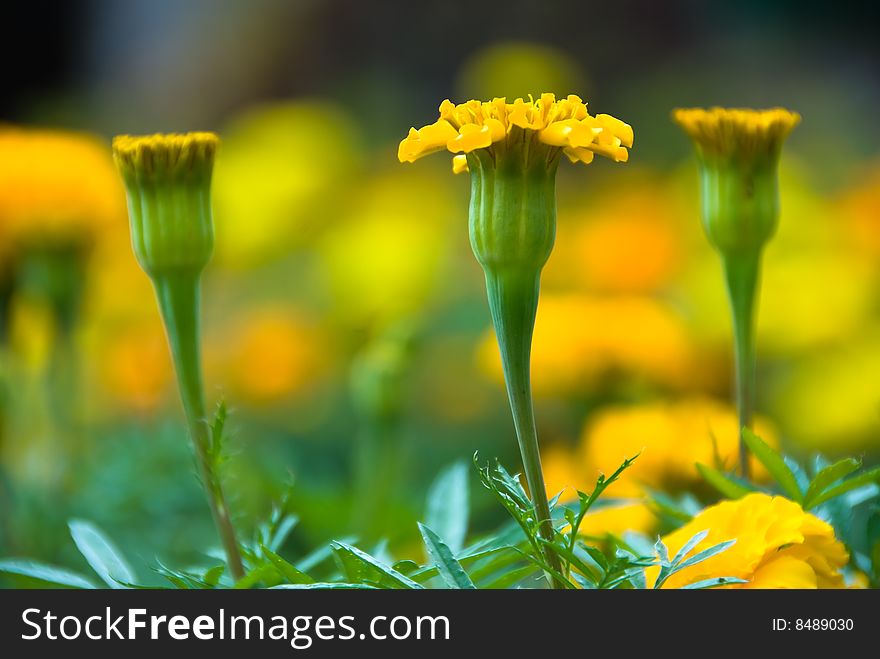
513,304
742,274
178,297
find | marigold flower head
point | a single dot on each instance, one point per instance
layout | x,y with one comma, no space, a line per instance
165,158
778,545
562,126
737,132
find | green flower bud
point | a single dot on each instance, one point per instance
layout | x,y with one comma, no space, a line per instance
168,183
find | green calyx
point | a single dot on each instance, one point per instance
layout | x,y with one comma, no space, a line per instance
513,205
740,202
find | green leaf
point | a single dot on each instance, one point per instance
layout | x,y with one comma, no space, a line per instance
47,574
286,570
360,567
689,547
869,477
713,583
324,586
265,573
727,486
701,556
513,577
213,575
774,464
827,477
451,571
321,554
101,554
447,505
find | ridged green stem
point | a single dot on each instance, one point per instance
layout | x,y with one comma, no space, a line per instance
513,303
178,297
742,274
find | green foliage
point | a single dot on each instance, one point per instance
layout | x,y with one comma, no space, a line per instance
793,480
447,507
101,554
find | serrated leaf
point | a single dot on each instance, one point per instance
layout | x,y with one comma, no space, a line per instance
288,571
727,486
451,571
828,476
46,574
713,583
869,477
361,567
447,506
774,463
101,554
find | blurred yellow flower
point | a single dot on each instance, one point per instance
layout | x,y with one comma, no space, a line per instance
778,545
564,124
828,400
579,338
273,353
277,177
565,471
516,68
671,437
379,263
56,185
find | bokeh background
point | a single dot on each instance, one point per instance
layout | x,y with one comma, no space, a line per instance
344,316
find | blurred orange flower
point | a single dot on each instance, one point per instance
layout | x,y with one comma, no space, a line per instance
56,185
271,354
579,338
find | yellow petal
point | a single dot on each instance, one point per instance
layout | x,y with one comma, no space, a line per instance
570,133
621,130
577,155
470,137
459,164
426,140
616,153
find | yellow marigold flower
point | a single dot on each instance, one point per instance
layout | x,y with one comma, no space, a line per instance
778,545
564,126
55,185
671,437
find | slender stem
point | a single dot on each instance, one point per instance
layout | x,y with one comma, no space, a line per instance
376,463
513,302
742,272
178,296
